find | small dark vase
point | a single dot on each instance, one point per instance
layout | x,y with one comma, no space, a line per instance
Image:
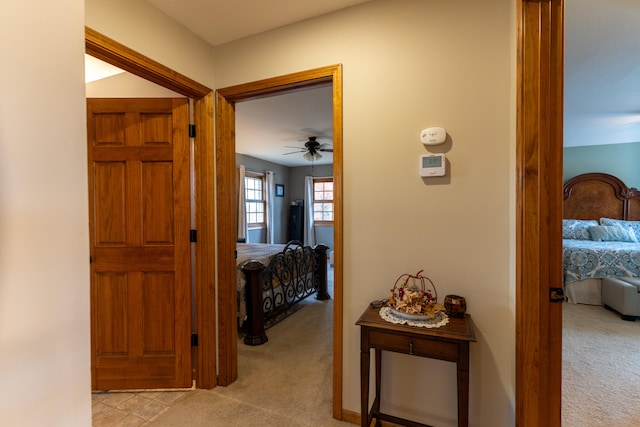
455,306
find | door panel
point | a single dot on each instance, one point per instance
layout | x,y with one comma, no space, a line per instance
109,203
157,198
111,290
140,219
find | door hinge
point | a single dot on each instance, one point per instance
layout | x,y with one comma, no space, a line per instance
194,340
556,295
192,131
193,236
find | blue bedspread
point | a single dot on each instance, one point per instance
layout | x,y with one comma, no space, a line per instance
586,259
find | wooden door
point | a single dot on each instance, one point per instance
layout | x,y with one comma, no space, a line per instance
139,195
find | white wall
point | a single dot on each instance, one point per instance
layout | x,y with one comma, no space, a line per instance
44,243
410,64
147,30
323,234
281,204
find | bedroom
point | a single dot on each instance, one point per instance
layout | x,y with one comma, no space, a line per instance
271,134
284,151
602,130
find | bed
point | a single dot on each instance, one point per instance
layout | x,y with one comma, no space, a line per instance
273,279
600,231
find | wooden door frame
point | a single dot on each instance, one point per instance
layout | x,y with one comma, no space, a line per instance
539,145
226,99
109,50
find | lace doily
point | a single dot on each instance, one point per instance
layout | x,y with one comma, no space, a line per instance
440,319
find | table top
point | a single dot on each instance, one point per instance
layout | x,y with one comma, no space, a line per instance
458,328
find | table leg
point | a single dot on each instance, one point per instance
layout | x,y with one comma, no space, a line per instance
364,387
463,385
376,403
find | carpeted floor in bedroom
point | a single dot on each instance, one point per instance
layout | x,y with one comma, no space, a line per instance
600,368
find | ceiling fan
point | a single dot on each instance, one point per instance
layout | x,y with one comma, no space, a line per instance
312,149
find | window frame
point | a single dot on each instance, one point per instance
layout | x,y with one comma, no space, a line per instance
262,178
322,223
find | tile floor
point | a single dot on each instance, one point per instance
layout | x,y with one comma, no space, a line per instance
131,409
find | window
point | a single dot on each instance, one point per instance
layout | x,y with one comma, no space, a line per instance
255,200
323,201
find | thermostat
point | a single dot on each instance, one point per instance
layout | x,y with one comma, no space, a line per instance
432,165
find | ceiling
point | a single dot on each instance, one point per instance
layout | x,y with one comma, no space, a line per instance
276,128
221,21
602,70
266,128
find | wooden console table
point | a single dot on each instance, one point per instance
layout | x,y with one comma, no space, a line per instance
449,342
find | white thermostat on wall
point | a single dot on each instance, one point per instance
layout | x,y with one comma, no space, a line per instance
433,136
432,165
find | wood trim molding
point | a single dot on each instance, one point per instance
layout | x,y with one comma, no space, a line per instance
205,248
351,417
539,211
102,47
109,50
280,84
338,234
225,174
225,200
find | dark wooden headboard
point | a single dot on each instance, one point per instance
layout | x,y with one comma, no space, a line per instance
600,195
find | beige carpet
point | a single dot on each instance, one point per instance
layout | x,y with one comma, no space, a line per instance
600,368
284,382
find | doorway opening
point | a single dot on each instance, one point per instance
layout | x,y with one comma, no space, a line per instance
226,99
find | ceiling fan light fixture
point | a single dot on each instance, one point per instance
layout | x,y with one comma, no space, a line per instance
311,157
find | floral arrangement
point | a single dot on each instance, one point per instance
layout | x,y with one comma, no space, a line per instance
412,295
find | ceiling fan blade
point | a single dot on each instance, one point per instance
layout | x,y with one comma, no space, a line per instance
311,148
